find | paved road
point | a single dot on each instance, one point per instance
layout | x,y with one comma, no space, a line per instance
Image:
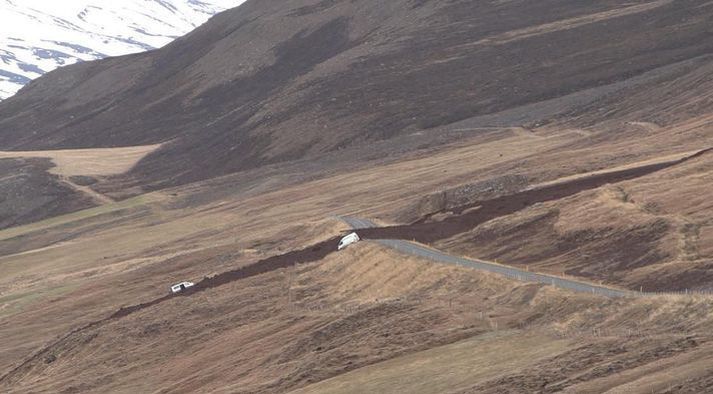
415,249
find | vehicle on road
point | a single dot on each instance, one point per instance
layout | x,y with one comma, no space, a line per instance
348,240
179,287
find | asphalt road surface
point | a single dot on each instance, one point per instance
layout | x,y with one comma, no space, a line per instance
415,249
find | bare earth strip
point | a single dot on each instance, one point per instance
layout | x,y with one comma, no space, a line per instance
659,160
99,198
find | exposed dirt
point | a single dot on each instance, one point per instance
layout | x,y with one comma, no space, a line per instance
466,217
311,253
98,198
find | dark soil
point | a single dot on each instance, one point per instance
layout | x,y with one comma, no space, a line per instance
467,217
311,253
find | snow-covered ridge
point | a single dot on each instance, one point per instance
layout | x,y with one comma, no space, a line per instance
37,36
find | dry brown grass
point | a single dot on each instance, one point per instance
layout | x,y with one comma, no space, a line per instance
278,313
657,160
663,219
448,368
97,161
327,318
142,244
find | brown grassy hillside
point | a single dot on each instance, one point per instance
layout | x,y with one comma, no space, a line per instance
555,136
274,81
293,327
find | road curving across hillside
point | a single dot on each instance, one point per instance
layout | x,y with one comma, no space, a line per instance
415,249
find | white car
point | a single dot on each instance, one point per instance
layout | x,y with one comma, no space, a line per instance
348,240
179,287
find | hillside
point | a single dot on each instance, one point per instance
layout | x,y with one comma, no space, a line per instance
40,36
332,320
239,93
563,139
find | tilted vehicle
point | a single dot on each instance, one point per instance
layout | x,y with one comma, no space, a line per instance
179,287
348,240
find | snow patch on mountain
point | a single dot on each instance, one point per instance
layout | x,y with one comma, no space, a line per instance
37,36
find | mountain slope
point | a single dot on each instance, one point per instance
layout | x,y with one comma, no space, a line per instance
271,82
38,36
560,137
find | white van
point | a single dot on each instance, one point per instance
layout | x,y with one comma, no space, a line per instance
179,287
348,240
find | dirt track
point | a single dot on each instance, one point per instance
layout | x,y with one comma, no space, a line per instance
309,254
96,196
